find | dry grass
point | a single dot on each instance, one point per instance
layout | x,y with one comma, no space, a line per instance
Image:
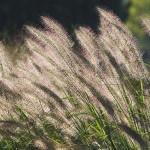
90,93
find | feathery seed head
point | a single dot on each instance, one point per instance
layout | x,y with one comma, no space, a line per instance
146,24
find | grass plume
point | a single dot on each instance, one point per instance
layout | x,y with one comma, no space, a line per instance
92,93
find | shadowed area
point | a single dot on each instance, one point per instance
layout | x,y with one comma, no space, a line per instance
15,14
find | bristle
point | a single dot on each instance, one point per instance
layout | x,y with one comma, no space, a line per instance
55,79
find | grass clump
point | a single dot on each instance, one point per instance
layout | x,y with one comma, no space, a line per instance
88,93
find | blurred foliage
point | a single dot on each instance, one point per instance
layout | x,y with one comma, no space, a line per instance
138,8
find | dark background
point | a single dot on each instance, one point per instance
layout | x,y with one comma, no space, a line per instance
14,14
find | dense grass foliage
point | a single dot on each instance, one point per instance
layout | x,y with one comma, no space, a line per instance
87,92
